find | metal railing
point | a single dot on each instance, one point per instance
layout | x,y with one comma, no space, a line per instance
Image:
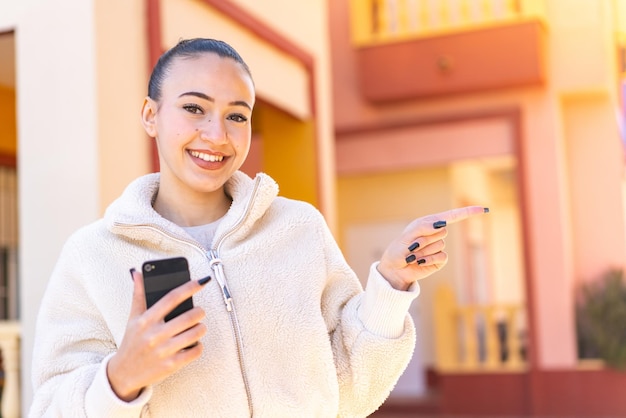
478,338
381,21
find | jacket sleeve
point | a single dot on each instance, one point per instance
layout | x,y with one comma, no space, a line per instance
371,332
71,350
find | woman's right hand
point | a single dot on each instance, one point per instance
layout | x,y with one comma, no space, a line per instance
153,349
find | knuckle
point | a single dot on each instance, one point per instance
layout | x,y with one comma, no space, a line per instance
141,322
152,343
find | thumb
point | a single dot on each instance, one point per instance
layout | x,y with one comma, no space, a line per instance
138,305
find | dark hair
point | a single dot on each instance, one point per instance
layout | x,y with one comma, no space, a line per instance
189,48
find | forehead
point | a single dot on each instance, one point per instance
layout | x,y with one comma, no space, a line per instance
208,71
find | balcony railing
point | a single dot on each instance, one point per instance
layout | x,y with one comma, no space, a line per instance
479,338
381,21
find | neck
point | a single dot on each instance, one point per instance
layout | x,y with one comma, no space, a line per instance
195,210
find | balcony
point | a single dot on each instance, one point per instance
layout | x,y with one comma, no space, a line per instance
410,49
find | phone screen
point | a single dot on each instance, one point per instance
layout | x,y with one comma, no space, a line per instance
161,276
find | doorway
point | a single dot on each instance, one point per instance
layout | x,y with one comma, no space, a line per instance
464,160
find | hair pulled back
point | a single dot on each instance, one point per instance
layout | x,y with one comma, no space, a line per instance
185,49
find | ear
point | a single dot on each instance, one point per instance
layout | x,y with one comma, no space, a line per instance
148,116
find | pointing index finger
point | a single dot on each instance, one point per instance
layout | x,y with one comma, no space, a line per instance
455,215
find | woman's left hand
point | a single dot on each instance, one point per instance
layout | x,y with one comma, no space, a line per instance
418,251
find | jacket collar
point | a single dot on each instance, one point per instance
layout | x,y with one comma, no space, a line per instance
251,199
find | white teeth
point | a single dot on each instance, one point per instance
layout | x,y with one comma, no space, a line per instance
207,157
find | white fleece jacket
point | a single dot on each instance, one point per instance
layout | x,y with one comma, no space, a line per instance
313,343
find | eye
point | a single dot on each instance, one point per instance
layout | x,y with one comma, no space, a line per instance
237,117
193,108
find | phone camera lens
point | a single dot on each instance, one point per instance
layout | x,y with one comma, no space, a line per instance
149,267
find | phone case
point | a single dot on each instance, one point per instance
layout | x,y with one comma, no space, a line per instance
161,276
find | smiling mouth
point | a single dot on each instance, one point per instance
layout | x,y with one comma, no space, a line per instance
207,157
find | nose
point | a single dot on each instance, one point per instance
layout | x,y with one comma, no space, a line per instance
213,130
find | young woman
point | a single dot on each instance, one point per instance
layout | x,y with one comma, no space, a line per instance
283,329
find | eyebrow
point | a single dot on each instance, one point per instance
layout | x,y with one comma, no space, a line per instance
210,99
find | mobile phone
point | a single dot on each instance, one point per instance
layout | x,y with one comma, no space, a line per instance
161,276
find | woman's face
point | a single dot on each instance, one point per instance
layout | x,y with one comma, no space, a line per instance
201,122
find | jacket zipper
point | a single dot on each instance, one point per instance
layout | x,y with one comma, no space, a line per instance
218,272
216,266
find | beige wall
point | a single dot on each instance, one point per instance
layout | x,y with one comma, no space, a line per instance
58,163
122,70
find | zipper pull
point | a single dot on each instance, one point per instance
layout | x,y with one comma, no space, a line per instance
227,299
216,266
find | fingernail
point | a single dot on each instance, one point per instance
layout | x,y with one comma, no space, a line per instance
439,224
421,261
486,210
204,280
411,258
132,276
414,246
